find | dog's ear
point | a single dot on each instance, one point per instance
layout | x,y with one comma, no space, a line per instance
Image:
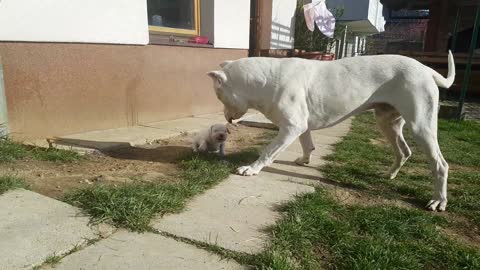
222,65
218,76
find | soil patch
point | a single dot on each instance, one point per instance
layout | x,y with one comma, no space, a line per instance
155,162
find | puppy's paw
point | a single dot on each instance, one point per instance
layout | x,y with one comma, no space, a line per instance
247,171
302,161
437,205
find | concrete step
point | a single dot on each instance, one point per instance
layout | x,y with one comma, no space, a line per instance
95,141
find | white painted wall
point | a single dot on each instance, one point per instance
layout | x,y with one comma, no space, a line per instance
375,15
283,24
92,21
232,24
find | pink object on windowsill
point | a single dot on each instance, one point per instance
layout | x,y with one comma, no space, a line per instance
199,40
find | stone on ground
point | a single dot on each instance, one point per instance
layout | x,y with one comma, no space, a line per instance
34,227
127,250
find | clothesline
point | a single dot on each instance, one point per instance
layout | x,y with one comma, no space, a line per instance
318,3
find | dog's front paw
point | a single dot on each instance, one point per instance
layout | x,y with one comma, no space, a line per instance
247,171
437,205
302,161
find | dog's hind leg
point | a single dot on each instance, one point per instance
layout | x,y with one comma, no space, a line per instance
391,123
426,137
421,116
307,147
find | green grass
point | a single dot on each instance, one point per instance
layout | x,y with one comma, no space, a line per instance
8,182
360,164
133,205
53,259
316,232
11,151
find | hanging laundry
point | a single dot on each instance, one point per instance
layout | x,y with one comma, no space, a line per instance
317,13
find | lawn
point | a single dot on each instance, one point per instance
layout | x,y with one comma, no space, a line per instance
118,191
319,231
8,182
133,205
11,151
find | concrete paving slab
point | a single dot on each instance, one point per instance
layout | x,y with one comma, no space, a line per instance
183,125
97,141
126,250
257,120
111,138
235,213
320,149
220,117
288,170
89,142
33,227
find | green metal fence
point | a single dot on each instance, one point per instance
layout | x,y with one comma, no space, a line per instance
468,68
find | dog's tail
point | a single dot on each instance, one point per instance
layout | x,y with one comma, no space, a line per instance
445,82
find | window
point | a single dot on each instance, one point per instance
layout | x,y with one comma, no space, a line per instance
174,16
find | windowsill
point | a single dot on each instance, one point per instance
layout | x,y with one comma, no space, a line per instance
173,40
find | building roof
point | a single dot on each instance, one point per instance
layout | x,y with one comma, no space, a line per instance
423,4
405,4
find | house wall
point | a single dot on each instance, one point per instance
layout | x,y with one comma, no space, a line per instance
93,21
58,89
79,68
283,24
353,10
232,24
362,16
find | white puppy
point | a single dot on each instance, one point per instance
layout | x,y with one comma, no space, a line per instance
301,95
211,140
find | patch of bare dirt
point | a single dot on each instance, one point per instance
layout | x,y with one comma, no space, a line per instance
156,162
352,197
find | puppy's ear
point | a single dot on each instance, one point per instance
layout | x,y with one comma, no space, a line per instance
218,76
222,65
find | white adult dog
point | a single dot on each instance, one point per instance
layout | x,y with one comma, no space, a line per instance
302,95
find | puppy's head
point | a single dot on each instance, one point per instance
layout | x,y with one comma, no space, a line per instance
235,106
219,133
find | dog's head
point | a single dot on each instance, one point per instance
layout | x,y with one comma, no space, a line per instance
235,106
219,133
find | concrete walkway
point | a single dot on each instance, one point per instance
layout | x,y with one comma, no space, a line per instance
232,215
89,142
